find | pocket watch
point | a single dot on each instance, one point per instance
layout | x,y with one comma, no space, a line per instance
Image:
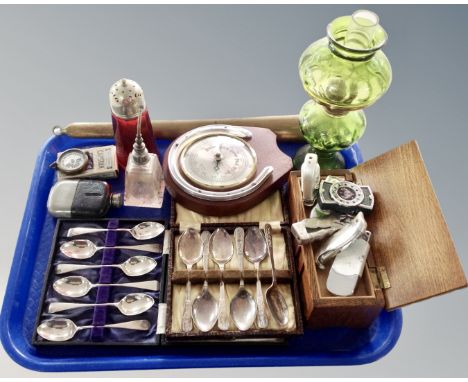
72,161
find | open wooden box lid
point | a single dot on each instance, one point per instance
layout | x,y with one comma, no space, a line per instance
410,237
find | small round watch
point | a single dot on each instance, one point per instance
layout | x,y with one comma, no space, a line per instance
72,161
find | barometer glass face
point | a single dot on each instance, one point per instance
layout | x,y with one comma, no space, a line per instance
218,162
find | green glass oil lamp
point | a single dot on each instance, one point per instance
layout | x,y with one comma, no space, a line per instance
342,73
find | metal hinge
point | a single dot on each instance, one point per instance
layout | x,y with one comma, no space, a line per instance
379,277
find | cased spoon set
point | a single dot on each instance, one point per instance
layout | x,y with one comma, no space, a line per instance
243,308
78,286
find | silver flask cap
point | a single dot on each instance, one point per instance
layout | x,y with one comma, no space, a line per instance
126,98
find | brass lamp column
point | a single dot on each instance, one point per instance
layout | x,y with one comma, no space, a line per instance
342,73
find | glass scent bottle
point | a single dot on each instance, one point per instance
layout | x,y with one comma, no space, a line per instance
81,199
143,176
343,73
126,100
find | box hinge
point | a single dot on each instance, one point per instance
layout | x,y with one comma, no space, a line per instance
379,277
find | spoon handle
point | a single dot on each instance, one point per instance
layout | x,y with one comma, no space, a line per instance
269,241
262,319
66,268
84,230
187,325
55,307
154,248
223,313
149,285
134,325
239,238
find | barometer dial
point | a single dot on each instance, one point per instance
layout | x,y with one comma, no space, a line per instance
218,162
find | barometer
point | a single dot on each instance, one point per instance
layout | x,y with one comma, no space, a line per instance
222,169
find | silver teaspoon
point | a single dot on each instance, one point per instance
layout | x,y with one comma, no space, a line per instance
132,267
84,249
222,250
243,307
142,231
190,251
63,329
255,251
274,297
205,307
130,305
79,286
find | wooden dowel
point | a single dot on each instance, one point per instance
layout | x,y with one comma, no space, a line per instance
286,127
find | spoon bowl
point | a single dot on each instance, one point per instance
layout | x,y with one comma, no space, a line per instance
205,307
72,286
78,249
138,266
277,305
57,329
135,303
147,230
243,309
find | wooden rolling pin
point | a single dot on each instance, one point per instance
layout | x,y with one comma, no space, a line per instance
286,127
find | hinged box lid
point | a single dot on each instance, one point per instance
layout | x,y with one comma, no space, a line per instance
410,236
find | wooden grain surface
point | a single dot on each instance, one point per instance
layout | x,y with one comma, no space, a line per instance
322,309
268,153
409,234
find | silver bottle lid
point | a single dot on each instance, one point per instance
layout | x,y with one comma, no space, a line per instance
126,98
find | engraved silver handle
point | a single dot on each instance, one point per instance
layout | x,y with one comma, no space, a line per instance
187,325
269,241
262,318
223,313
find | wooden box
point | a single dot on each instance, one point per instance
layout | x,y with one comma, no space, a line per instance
412,253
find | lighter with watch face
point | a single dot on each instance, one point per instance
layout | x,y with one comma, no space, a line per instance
93,162
345,197
71,161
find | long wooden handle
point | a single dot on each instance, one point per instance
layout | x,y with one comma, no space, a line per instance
286,127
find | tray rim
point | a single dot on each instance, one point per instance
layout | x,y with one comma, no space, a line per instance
10,337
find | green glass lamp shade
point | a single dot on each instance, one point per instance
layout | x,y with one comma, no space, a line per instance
343,73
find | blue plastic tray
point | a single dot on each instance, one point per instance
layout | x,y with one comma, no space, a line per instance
340,346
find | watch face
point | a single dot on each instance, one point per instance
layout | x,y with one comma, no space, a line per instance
346,194
72,161
218,162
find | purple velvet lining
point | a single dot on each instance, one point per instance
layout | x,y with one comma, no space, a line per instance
105,277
